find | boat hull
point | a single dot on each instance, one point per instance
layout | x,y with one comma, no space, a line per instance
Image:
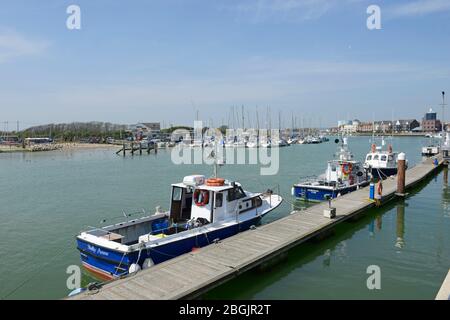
319,193
383,173
108,264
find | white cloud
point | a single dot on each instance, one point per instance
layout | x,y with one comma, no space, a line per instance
420,7
14,45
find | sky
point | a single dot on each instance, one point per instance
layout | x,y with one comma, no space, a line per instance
144,61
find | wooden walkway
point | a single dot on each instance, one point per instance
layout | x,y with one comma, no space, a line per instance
193,274
444,292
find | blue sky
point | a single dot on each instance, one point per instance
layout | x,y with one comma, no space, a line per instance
159,60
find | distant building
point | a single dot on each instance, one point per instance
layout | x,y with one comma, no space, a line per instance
430,123
148,129
348,127
383,126
406,125
365,127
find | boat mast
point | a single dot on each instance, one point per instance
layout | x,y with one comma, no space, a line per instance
257,125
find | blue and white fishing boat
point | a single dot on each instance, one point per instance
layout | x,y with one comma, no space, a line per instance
343,175
202,211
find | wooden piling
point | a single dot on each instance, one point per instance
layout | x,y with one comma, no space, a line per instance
140,149
401,174
132,148
124,149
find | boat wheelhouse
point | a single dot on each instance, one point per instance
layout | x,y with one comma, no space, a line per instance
343,175
202,211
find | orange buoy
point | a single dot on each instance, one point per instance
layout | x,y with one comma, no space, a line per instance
215,182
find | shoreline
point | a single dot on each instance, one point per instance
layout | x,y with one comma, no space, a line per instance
57,147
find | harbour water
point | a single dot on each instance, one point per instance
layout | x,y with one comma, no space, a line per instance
47,198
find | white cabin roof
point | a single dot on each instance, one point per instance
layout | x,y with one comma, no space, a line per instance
227,185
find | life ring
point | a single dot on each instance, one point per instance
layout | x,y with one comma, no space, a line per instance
201,197
347,168
215,182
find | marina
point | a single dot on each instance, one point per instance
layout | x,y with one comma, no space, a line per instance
226,259
245,150
76,212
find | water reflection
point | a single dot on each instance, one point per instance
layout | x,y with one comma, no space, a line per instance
400,230
445,194
379,221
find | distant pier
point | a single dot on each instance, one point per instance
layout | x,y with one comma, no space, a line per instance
136,148
193,274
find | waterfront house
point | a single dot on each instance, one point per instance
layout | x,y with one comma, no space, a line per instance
406,125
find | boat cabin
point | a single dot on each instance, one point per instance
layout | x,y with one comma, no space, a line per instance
195,200
381,159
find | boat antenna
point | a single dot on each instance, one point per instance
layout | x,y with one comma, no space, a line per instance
443,111
212,155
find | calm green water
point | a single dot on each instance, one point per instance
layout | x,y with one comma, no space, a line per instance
47,198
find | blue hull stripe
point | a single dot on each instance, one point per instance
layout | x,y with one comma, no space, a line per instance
116,263
310,193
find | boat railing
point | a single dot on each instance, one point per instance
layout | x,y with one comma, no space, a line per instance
308,179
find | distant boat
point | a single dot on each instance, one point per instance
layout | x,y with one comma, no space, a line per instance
343,175
431,149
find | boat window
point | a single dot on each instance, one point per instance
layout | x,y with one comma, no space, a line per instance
177,192
235,193
375,157
219,199
257,201
333,168
369,157
391,158
383,158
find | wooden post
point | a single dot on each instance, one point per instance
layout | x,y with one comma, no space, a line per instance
148,148
124,148
401,174
132,148
140,149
